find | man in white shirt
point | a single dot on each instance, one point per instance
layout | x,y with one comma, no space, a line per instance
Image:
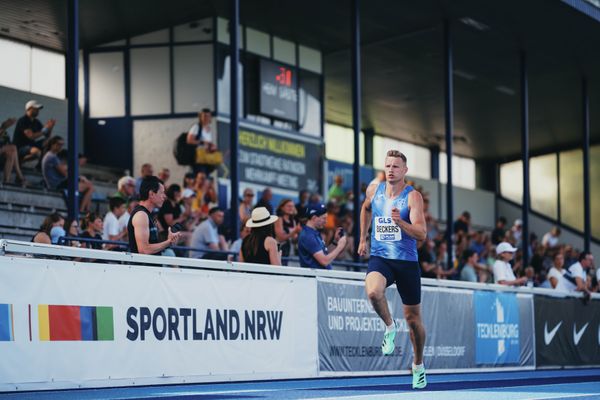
579,271
556,275
503,273
550,239
113,230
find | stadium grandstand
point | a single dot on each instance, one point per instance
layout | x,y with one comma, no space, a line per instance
257,137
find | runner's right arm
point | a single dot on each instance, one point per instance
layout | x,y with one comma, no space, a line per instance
365,219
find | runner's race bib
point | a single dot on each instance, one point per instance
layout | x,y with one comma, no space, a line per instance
386,230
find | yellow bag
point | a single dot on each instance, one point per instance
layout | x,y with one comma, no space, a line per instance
207,158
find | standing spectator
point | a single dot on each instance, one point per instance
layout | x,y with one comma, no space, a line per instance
141,229
499,231
201,136
517,232
10,154
260,246
206,237
427,259
55,171
312,250
112,229
43,234
579,271
463,223
164,175
265,200
503,272
30,134
556,275
303,197
246,205
336,192
550,239
286,227
146,171
93,230
125,188
170,213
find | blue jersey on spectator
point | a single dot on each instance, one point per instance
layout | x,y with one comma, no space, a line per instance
309,243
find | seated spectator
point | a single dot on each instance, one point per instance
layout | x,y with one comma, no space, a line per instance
556,275
286,227
427,258
477,243
445,270
260,246
578,271
336,192
171,212
499,231
503,272
206,195
246,205
125,188
468,272
30,134
164,175
312,251
9,155
112,228
517,232
201,136
530,275
550,239
51,221
189,181
93,230
463,223
146,171
236,246
265,200
206,237
72,230
55,172
303,197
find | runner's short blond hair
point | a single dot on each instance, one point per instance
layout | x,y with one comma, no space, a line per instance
396,154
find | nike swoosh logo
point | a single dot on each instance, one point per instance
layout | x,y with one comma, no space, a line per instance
577,335
548,336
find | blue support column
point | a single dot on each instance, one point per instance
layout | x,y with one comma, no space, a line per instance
73,110
356,120
587,216
525,156
234,47
449,112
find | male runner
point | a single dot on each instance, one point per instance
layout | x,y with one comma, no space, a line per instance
397,223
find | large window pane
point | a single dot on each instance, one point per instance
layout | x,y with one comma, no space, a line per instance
543,185
193,72
310,104
595,190
48,73
418,158
107,85
339,144
511,181
223,81
571,188
463,171
15,66
150,83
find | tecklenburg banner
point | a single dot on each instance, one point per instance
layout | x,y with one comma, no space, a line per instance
91,324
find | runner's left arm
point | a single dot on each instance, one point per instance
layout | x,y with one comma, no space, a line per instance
417,228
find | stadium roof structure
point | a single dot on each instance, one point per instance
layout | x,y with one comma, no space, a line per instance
402,59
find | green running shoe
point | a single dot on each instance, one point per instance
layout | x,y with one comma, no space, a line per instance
387,347
419,378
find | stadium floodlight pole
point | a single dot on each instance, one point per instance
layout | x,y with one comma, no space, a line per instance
525,156
234,48
449,113
73,110
587,227
356,119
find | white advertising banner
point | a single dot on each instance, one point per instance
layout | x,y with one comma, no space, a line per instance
66,324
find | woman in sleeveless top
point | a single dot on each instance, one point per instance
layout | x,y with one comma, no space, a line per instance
286,227
260,247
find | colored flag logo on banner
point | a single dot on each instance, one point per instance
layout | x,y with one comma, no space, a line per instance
7,332
59,322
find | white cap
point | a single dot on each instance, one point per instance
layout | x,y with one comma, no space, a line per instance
505,247
187,193
518,222
33,104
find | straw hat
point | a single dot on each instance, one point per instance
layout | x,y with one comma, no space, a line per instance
261,217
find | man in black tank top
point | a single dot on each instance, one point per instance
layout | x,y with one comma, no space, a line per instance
142,232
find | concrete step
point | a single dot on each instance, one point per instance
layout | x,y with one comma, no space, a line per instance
32,197
25,237
22,218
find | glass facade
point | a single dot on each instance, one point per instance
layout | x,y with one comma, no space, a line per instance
571,188
543,185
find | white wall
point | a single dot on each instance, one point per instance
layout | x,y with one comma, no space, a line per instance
153,142
540,226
